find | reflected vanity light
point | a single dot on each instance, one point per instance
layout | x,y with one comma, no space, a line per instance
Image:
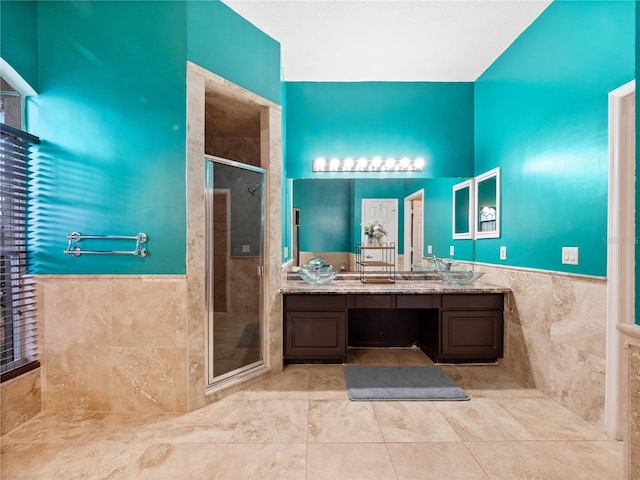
375,164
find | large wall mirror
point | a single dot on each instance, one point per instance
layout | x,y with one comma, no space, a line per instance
462,220
487,204
330,224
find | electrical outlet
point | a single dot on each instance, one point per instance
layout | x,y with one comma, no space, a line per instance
503,253
451,251
570,255
246,248
430,249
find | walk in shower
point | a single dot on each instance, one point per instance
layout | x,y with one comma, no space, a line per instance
234,211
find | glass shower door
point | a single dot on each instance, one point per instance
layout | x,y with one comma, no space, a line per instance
234,259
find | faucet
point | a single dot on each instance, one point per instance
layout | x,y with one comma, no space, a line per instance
446,262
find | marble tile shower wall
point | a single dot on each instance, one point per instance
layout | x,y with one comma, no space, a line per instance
113,343
239,149
556,330
244,285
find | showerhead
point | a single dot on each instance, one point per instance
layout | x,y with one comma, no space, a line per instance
253,189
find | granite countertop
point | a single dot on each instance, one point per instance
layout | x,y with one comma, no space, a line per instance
405,283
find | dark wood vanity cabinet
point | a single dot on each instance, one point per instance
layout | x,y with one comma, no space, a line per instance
447,327
470,329
315,328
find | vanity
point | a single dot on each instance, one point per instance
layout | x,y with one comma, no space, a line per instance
449,323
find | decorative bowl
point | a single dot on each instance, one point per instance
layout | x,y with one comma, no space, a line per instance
459,277
318,275
316,262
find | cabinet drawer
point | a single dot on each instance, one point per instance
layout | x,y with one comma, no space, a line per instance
488,301
315,335
470,335
418,301
315,302
374,301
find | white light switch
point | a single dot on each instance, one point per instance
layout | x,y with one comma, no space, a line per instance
570,255
246,248
286,252
430,249
503,253
451,250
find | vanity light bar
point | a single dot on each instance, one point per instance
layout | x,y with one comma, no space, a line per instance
362,164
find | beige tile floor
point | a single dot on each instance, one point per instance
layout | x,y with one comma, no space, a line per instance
302,425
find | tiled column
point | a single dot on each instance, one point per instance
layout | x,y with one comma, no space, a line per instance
631,414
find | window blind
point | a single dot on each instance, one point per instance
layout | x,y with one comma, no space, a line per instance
18,325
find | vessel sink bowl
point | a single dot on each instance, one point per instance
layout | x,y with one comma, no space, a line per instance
317,275
459,277
316,268
427,265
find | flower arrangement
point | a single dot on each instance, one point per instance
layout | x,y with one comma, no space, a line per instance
375,231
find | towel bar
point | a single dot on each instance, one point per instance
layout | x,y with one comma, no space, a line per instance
76,251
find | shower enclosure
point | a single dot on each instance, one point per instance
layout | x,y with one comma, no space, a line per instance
234,210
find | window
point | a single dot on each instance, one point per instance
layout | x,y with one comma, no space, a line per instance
18,328
10,105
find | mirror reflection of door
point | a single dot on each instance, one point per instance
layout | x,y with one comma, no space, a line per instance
416,231
413,227
385,212
234,206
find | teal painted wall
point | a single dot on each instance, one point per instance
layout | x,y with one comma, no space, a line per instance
223,42
438,214
19,38
111,114
432,120
325,214
112,121
331,211
541,115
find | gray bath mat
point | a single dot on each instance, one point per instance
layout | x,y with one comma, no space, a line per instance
400,383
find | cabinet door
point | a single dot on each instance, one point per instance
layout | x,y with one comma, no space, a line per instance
467,335
314,336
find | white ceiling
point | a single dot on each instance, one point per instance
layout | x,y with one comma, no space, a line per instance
389,40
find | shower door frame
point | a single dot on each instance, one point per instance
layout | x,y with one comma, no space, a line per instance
209,162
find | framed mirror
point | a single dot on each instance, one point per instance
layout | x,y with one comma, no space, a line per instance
487,204
462,210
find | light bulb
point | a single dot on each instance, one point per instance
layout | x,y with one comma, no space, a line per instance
390,163
319,164
347,164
